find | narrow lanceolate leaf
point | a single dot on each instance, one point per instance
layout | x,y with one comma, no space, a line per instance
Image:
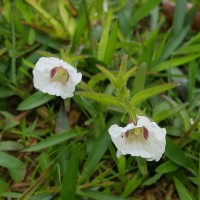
174,62
133,183
102,98
167,167
14,166
97,195
80,26
139,79
165,114
70,177
97,150
144,10
123,65
193,66
183,114
108,74
9,161
175,154
147,93
104,38
130,73
28,193
56,139
110,49
179,15
51,20
142,165
174,41
183,193
34,101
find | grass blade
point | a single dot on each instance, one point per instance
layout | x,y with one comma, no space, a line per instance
97,150
144,10
70,177
104,38
179,15
34,101
51,141
27,194
175,62
183,193
179,157
134,182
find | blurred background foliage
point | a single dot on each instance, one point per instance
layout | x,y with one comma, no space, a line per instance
65,152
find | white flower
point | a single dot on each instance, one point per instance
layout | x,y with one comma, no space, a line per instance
146,139
56,77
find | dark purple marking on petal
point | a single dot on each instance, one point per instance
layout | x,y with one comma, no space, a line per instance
53,71
145,133
126,134
130,121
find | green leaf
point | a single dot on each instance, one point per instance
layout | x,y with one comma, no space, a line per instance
188,49
95,79
153,179
147,93
97,150
34,101
183,114
102,98
69,183
133,183
104,38
130,73
3,186
122,68
52,22
174,62
6,92
108,74
174,41
148,50
192,78
96,195
49,142
178,156
121,164
27,194
139,81
168,113
81,25
167,167
144,10
10,146
9,161
62,122
15,166
183,193
179,15
160,49
142,165
110,48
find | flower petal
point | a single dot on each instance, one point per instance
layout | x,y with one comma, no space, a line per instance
47,63
151,147
42,77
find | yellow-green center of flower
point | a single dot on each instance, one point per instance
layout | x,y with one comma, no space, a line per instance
136,131
59,74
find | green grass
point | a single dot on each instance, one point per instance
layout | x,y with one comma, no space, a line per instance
55,149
